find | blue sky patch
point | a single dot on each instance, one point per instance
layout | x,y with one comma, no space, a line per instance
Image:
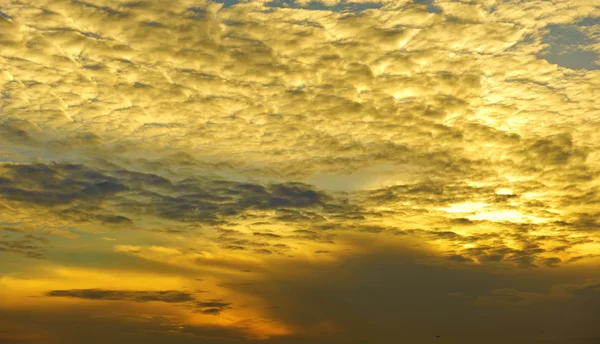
227,3
566,47
431,7
342,6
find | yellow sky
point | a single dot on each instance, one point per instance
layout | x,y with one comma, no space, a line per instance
354,171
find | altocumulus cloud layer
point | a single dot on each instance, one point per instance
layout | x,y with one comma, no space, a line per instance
294,171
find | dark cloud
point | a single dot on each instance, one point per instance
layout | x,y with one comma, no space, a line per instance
554,151
30,246
462,221
96,324
429,193
552,261
309,235
460,259
212,200
525,257
234,247
213,307
206,200
582,222
10,229
18,132
407,294
267,235
292,215
56,184
169,296
295,195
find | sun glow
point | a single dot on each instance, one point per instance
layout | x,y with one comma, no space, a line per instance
468,207
505,216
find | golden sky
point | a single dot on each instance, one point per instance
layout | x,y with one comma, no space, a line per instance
296,171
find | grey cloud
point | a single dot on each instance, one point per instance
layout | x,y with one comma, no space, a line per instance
309,235
462,221
169,296
10,229
56,184
552,261
75,326
410,298
460,259
582,222
209,200
212,311
18,132
266,235
115,196
30,246
234,247
524,258
556,150
215,306
430,193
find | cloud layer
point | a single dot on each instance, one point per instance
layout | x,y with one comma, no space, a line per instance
299,171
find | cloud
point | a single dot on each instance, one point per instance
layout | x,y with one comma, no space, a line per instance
169,296
212,307
262,144
137,328
18,132
408,294
11,229
114,197
30,246
55,184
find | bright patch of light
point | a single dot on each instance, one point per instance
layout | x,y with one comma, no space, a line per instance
532,195
468,207
505,216
504,191
362,88
404,94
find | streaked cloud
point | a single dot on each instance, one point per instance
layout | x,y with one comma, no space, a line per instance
170,296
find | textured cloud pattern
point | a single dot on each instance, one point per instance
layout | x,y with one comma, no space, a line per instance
236,171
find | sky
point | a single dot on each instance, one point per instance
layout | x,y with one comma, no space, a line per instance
291,172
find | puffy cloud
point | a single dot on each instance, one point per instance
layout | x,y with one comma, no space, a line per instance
269,146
